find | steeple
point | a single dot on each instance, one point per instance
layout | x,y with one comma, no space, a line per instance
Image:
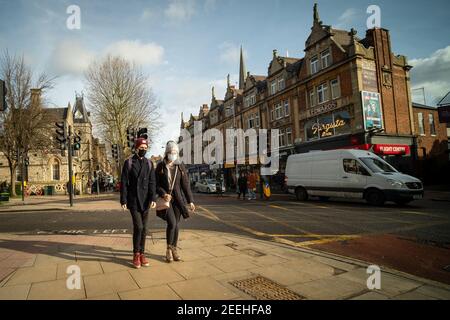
228,81
213,94
242,71
316,15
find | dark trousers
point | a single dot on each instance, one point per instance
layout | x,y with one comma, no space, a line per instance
173,220
242,191
139,230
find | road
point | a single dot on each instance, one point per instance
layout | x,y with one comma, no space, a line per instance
413,238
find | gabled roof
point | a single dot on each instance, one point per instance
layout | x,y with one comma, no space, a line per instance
445,101
80,114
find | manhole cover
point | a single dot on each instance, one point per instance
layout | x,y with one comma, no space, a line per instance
253,253
264,289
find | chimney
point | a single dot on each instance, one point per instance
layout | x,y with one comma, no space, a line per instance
35,97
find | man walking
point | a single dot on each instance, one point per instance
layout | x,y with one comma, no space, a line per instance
138,194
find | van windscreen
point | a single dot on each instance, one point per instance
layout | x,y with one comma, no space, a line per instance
377,165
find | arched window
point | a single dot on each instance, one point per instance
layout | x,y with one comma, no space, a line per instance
56,175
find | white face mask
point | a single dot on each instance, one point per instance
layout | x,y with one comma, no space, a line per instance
172,157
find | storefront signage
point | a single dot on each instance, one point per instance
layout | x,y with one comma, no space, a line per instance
391,149
369,76
372,113
322,109
327,129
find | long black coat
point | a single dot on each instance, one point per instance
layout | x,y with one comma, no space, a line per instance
181,193
138,185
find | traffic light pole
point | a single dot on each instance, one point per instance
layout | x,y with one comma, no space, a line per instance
69,147
22,175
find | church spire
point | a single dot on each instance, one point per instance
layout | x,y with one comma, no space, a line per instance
242,71
228,81
316,15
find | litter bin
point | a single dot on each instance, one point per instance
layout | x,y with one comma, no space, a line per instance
49,190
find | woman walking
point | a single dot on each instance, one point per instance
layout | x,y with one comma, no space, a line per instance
242,185
173,187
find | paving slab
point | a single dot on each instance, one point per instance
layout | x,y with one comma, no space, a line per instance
99,285
19,292
55,290
32,274
195,269
202,289
163,292
233,263
434,292
149,277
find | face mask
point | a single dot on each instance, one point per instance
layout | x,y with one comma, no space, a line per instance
172,157
141,153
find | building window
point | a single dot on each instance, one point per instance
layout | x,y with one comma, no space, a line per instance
257,119
286,108
281,84
314,65
252,99
432,126
56,172
335,89
229,111
272,114
326,58
322,93
273,87
421,124
312,99
279,111
289,136
282,138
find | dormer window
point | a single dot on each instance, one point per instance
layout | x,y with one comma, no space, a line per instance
314,65
325,58
273,87
281,84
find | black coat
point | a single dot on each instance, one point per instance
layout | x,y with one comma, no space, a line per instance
181,193
138,186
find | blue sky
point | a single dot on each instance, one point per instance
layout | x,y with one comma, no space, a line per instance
186,46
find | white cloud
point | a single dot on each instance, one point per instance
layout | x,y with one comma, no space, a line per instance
346,19
145,54
432,73
180,10
70,57
230,53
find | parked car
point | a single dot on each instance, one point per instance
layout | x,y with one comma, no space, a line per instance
349,174
208,186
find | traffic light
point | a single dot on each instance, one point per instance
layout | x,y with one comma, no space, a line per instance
115,152
131,136
76,142
143,133
61,135
3,105
26,161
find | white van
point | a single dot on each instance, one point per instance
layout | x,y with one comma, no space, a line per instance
349,174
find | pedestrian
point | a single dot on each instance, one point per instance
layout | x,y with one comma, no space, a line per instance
242,185
251,186
174,190
138,194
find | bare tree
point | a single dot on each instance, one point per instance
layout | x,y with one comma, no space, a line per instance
120,97
25,124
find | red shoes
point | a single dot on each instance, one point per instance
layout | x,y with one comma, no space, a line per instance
137,260
144,261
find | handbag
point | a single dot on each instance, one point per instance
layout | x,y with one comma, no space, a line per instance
161,204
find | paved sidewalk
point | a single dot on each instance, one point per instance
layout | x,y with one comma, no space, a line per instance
35,266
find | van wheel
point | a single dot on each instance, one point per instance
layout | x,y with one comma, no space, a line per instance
375,197
301,193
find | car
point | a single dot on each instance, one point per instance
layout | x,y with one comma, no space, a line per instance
356,174
208,186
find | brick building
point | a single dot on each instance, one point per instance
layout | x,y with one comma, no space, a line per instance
345,92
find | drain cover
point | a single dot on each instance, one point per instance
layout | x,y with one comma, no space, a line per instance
264,289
